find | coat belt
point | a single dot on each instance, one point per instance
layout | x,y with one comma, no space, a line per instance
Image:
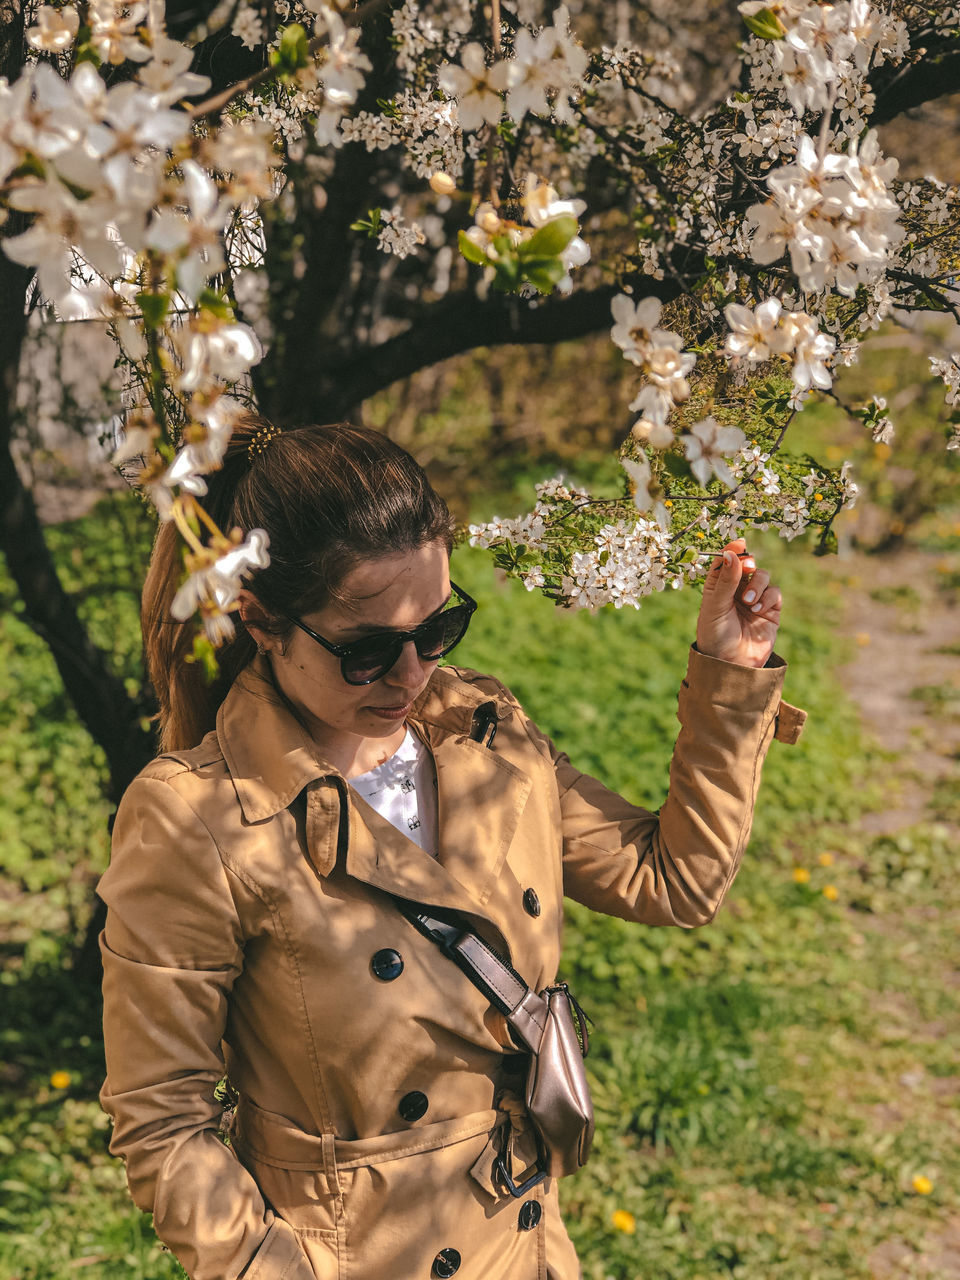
273,1140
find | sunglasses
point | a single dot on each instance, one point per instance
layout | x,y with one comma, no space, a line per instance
366,660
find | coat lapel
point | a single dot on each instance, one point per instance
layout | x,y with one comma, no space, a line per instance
481,795
481,799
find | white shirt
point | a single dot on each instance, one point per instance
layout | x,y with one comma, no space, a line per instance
404,791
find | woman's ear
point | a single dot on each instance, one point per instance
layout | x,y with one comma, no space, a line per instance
256,619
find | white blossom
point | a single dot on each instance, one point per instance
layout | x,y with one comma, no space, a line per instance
477,87
707,447
56,29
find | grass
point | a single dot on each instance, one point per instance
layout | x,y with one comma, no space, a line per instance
766,1088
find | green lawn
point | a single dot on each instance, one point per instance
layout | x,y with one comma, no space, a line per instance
767,1088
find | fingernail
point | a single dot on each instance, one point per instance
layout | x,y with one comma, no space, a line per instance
757,607
728,557
749,595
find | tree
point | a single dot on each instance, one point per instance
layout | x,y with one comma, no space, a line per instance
309,201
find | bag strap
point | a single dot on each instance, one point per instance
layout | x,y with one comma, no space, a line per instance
497,980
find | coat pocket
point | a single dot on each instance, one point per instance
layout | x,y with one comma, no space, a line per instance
296,1175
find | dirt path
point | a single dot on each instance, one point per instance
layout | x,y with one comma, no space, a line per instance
905,675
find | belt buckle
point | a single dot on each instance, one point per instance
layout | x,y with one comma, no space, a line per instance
517,1190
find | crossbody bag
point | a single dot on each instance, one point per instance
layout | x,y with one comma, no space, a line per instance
550,1026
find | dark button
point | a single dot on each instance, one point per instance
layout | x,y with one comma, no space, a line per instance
413,1106
446,1264
530,1215
531,902
387,964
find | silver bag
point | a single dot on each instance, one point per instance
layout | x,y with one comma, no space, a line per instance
551,1026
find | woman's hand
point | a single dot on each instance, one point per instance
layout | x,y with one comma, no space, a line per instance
740,612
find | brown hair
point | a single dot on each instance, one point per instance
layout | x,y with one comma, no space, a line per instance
327,497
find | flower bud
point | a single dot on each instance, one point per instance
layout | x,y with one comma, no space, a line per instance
442,183
488,220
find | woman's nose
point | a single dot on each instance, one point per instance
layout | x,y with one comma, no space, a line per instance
409,669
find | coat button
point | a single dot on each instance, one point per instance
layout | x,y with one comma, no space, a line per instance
387,964
446,1264
529,1215
531,903
412,1107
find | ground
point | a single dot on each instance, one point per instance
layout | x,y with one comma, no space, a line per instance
904,618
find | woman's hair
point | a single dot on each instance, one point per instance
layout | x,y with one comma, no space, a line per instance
328,497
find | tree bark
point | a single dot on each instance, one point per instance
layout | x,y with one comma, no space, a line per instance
912,84
459,323
110,715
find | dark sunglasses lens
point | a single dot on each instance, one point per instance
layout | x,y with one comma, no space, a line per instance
439,636
370,662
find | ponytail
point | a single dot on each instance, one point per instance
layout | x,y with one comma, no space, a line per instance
327,497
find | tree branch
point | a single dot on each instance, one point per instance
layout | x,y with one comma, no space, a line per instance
913,84
100,699
450,327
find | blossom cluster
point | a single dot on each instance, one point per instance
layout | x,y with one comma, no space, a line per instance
780,237
833,213
757,336
130,216
817,47
657,352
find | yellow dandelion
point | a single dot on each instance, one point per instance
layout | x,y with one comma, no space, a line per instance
625,1221
863,638
830,892
818,497
921,1184
668,502
60,1080
801,875
826,859
699,534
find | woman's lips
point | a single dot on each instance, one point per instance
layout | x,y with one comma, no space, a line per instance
392,713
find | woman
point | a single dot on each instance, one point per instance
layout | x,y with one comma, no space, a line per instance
252,929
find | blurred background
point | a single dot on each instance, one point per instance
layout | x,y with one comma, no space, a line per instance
778,1095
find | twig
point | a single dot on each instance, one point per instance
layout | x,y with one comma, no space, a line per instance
213,106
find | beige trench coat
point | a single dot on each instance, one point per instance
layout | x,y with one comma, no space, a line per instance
248,897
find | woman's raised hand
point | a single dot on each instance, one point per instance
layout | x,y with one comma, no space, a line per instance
740,612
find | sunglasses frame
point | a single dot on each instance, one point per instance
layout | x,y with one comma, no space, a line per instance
399,638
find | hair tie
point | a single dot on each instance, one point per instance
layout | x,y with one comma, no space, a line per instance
261,439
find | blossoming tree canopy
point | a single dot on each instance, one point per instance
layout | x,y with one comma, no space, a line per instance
741,245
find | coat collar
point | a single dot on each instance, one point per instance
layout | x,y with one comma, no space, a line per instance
272,759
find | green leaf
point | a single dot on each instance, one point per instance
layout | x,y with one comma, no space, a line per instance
84,50
293,51
766,25
507,275
370,224
205,655
216,303
153,308
471,251
544,273
551,239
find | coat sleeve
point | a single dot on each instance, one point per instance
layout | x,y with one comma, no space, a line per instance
172,949
675,866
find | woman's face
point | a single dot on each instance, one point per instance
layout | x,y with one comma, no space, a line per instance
355,726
